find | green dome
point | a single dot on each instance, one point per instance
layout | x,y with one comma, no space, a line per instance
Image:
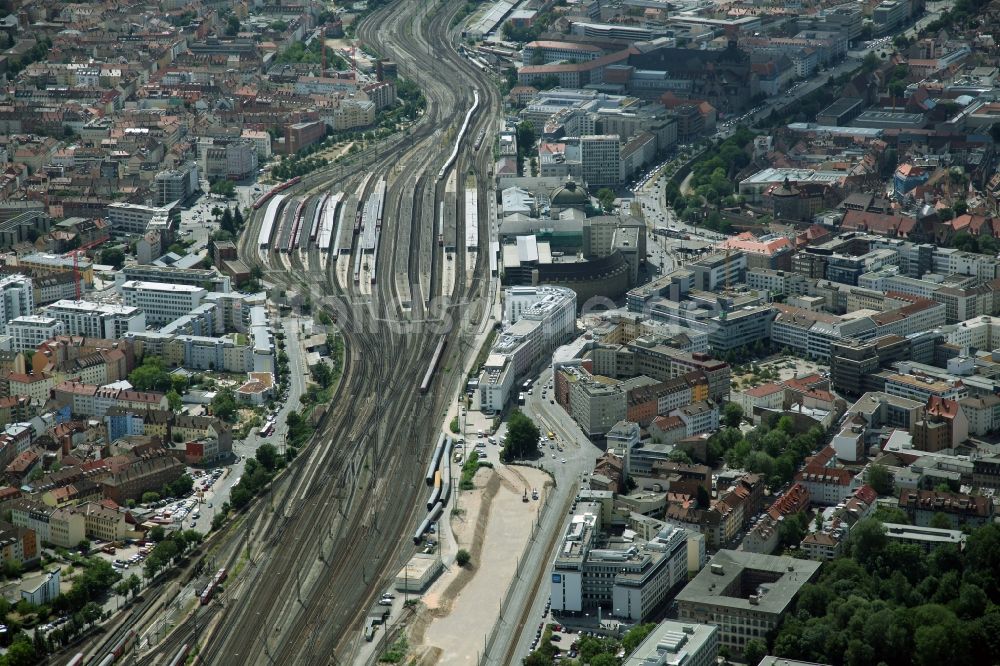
570,194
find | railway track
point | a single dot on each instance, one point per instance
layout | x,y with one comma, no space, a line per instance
342,511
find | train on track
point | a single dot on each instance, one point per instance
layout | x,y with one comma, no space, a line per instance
435,361
479,139
123,645
264,198
180,657
213,586
440,466
461,136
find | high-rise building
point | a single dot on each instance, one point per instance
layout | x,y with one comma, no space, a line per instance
16,299
600,155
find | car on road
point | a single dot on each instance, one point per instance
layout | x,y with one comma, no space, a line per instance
564,460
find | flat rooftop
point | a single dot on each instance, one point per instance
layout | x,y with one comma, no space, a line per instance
749,581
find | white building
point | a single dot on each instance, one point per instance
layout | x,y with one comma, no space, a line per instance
677,644
162,302
627,580
29,331
554,307
129,218
97,320
16,299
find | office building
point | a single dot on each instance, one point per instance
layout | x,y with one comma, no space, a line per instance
128,218
677,644
29,331
745,594
162,302
625,579
715,272
176,185
600,155
96,320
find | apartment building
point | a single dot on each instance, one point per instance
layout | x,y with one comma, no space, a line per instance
16,299
745,595
162,302
96,320
58,527
960,509
29,331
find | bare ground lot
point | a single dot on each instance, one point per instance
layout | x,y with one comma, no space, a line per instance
494,525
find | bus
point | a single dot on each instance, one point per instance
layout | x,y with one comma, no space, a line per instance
267,429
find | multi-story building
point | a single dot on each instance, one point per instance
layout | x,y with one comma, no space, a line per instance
547,52
714,272
261,141
232,160
29,331
628,580
176,185
889,15
16,299
18,545
960,509
746,595
928,538
675,644
595,403
162,302
129,218
698,417
35,386
59,527
600,155
97,320
197,277
41,263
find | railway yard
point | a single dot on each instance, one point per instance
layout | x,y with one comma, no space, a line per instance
387,250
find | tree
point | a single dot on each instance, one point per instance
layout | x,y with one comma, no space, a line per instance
157,533
867,541
754,651
174,400
522,437
232,25
322,374
227,223
607,198
732,415
463,557
267,456
679,456
880,479
224,404
636,635
113,256
134,584
83,546
149,497
150,376
940,521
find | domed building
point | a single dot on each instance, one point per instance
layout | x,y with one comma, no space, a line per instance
569,195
